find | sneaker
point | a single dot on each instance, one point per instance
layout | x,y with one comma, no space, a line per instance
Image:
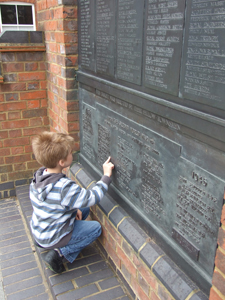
54,261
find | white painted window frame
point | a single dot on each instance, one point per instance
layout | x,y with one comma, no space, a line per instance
19,27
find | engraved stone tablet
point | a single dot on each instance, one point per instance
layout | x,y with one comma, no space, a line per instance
105,39
163,44
179,198
87,35
204,53
129,40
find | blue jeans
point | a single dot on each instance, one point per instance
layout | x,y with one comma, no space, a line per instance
84,233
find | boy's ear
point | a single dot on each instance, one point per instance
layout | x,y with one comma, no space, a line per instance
61,163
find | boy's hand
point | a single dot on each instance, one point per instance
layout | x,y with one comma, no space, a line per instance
108,167
79,215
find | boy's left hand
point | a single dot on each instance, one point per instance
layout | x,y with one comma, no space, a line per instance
79,215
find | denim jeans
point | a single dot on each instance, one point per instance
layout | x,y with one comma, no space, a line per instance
84,233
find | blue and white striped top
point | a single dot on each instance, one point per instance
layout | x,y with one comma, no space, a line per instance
55,200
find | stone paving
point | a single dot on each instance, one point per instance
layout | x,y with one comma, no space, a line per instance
24,275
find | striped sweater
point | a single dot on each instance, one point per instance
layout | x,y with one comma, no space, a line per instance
55,200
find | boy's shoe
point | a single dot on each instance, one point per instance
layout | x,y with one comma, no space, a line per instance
54,261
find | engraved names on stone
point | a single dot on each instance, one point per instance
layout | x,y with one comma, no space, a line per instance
129,40
151,186
105,40
196,217
87,35
88,134
163,44
204,62
103,144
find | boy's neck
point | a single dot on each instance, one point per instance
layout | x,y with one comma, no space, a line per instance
55,170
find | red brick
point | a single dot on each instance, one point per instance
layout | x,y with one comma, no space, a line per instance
15,124
17,159
138,290
20,167
44,103
27,114
36,122
14,115
51,3
4,151
1,97
113,255
113,232
126,261
33,165
2,117
28,149
69,25
15,133
17,150
33,131
16,142
43,85
20,175
223,216
213,295
220,261
154,296
13,67
12,106
32,95
10,87
74,126
219,282
145,272
3,135
143,284
5,169
31,76
221,238
33,104
31,66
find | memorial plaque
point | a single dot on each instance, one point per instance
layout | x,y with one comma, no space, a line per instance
163,44
105,39
130,40
204,53
87,35
182,199
151,96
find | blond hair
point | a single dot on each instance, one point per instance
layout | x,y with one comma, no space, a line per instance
50,147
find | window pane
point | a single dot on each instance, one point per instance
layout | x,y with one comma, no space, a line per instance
25,14
8,13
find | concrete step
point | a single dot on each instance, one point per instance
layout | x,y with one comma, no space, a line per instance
89,277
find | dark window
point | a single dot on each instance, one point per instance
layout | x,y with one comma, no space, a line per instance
25,14
8,13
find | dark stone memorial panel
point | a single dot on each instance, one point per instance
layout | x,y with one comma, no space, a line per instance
151,92
87,35
105,39
204,53
181,199
130,40
163,44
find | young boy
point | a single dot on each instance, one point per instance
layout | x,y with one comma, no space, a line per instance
60,206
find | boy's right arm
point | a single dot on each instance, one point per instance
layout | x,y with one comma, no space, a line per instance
74,196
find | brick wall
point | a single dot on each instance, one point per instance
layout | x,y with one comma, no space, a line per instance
23,113
58,19
218,290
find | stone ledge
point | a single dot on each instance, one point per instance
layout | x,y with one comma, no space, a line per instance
177,283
